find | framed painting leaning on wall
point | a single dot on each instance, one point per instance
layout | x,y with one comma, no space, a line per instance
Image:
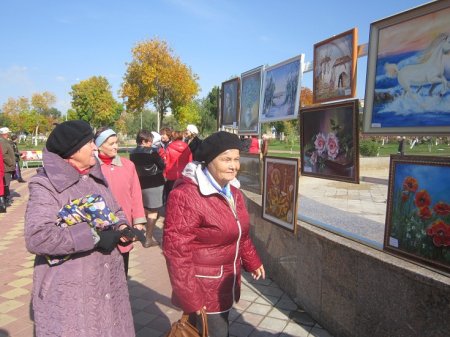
330,141
230,102
335,67
280,194
408,73
418,209
250,100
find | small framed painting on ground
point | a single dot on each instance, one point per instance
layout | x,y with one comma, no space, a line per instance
329,141
280,191
249,174
407,83
335,67
230,102
250,100
418,209
280,95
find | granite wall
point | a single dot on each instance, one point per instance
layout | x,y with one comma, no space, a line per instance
351,289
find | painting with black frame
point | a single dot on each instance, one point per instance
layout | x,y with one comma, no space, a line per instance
330,141
249,174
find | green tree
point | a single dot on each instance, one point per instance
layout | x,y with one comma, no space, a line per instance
209,112
93,102
157,77
189,113
32,117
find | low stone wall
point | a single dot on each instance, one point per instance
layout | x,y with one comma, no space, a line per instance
352,290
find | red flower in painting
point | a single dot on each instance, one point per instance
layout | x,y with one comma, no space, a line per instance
410,184
442,208
422,199
424,213
405,196
440,232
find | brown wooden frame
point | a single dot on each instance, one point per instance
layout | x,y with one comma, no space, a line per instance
418,209
279,200
346,62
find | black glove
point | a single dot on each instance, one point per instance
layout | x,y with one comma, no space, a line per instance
133,234
108,240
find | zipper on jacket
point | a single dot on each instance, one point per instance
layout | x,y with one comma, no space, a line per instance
233,209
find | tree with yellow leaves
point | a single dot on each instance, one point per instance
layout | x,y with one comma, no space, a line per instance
158,77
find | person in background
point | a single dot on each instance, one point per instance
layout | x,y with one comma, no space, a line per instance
265,145
17,157
166,137
149,167
123,181
254,145
2,188
85,293
178,156
401,145
245,143
206,234
9,162
192,139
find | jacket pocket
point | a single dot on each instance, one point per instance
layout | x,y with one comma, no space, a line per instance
47,282
215,272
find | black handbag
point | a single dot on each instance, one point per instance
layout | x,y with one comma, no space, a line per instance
2,205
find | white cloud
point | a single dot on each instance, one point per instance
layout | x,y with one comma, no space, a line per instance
60,78
16,76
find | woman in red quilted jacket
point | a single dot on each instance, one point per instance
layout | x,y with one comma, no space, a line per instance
206,234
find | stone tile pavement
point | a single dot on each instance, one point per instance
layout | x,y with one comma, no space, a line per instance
264,308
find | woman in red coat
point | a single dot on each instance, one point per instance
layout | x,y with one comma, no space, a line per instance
206,234
178,155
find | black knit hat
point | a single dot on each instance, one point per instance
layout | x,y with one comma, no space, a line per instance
68,137
215,144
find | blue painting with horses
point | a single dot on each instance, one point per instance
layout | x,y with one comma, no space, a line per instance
412,88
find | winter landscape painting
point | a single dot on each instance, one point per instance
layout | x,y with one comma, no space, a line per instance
281,91
335,67
408,73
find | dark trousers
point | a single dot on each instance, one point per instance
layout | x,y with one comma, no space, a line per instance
126,259
218,325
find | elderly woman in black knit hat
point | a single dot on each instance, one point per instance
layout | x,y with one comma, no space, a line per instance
206,234
72,224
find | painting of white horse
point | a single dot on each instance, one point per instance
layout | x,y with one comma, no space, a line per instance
408,77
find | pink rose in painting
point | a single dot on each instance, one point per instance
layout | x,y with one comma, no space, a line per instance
332,145
320,143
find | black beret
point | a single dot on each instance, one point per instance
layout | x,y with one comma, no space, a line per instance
215,144
68,137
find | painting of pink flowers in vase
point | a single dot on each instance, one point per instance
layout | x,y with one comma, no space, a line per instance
418,214
329,141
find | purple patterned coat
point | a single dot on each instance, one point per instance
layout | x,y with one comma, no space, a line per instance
86,296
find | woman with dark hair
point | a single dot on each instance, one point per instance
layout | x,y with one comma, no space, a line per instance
123,182
73,224
178,155
149,167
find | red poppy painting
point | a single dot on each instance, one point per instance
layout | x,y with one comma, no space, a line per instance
418,214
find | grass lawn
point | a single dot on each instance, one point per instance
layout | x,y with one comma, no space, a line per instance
384,151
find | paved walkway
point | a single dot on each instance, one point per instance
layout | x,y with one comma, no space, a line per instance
264,309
